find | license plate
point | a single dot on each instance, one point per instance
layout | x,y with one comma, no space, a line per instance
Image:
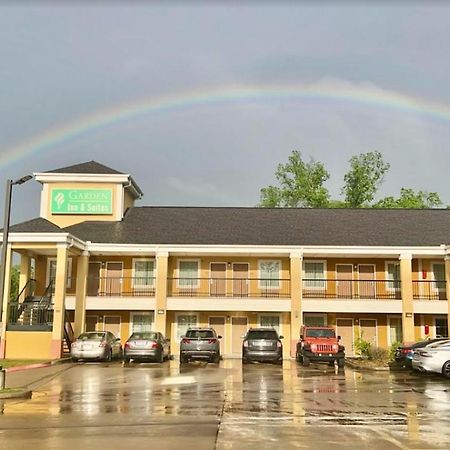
140,343
86,347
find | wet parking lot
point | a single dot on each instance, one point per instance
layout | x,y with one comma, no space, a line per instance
207,406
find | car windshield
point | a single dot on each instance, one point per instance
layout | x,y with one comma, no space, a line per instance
325,333
262,334
91,337
144,335
200,334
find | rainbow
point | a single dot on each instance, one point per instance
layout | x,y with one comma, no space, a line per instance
341,92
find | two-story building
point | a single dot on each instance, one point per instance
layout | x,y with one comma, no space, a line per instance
95,261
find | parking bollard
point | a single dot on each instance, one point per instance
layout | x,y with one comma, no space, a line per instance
2,378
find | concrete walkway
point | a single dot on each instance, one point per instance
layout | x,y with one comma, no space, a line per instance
32,378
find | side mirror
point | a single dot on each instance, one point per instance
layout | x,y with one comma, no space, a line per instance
242,337
301,336
167,340
281,337
182,337
219,337
117,339
339,338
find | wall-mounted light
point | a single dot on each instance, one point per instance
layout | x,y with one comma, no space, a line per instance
408,314
100,318
161,311
228,318
229,264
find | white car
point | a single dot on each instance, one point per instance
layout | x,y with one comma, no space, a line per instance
433,358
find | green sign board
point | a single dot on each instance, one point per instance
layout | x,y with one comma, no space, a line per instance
81,201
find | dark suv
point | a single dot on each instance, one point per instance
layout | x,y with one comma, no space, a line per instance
200,343
262,344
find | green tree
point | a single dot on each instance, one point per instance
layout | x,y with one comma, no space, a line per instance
365,176
300,185
411,199
14,292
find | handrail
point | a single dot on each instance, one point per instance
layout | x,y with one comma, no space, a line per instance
69,334
45,298
27,284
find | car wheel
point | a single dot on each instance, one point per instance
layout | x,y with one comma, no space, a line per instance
74,360
280,362
108,356
306,361
298,358
341,362
446,369
216,359
161,357
126,359
244,361
182,359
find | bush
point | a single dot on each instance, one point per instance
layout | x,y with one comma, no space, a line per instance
362,347
393,349
378,354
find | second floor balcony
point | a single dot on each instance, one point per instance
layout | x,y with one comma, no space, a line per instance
326,288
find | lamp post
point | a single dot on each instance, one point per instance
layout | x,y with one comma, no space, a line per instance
9,185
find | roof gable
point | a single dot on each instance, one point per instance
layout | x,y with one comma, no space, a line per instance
89,167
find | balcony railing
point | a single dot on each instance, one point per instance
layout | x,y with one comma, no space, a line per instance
121,286
351,289
429,290
228,287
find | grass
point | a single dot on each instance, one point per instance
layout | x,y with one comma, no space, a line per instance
6,363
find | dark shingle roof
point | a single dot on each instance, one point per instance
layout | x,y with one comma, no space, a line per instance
87,167
261,226
38,225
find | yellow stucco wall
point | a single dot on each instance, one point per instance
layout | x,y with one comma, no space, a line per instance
28,344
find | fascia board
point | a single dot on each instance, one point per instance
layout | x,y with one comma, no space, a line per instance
84,177
45,238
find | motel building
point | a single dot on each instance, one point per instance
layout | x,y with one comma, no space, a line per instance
95,261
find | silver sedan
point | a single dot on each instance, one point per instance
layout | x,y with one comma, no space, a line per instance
101,345
433,358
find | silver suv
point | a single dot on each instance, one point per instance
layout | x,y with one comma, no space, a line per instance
200,343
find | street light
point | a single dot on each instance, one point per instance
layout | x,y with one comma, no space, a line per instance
9,185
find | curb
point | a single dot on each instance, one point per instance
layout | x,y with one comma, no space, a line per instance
37,365
18,393
356,366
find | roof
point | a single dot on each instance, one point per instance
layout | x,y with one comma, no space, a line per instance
38,225
272,226
92,167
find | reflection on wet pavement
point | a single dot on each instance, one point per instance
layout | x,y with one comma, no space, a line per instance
230,406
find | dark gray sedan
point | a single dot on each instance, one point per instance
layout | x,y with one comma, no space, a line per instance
200,343
149,345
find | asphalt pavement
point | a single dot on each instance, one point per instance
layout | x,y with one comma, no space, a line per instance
226,406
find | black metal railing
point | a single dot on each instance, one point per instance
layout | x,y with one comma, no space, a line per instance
352,289
228,287
429,290
121,286
31,315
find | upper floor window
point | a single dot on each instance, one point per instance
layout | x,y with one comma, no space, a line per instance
51,272
393,275
314,274
188,274
269,274
439,276
143,273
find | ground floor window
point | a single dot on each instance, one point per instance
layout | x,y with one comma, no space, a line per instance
395,330
441,327
270,321
315,320
141,322
184,321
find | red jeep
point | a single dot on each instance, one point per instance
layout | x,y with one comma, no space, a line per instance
319,344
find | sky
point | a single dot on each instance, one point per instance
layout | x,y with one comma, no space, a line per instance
201,101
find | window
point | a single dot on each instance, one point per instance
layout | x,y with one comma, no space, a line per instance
185,321
315,320
188,274
141,322
395,330
51,272
439,276
441,327
201,334
143,273
393,276
269,274
270,322
314,275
